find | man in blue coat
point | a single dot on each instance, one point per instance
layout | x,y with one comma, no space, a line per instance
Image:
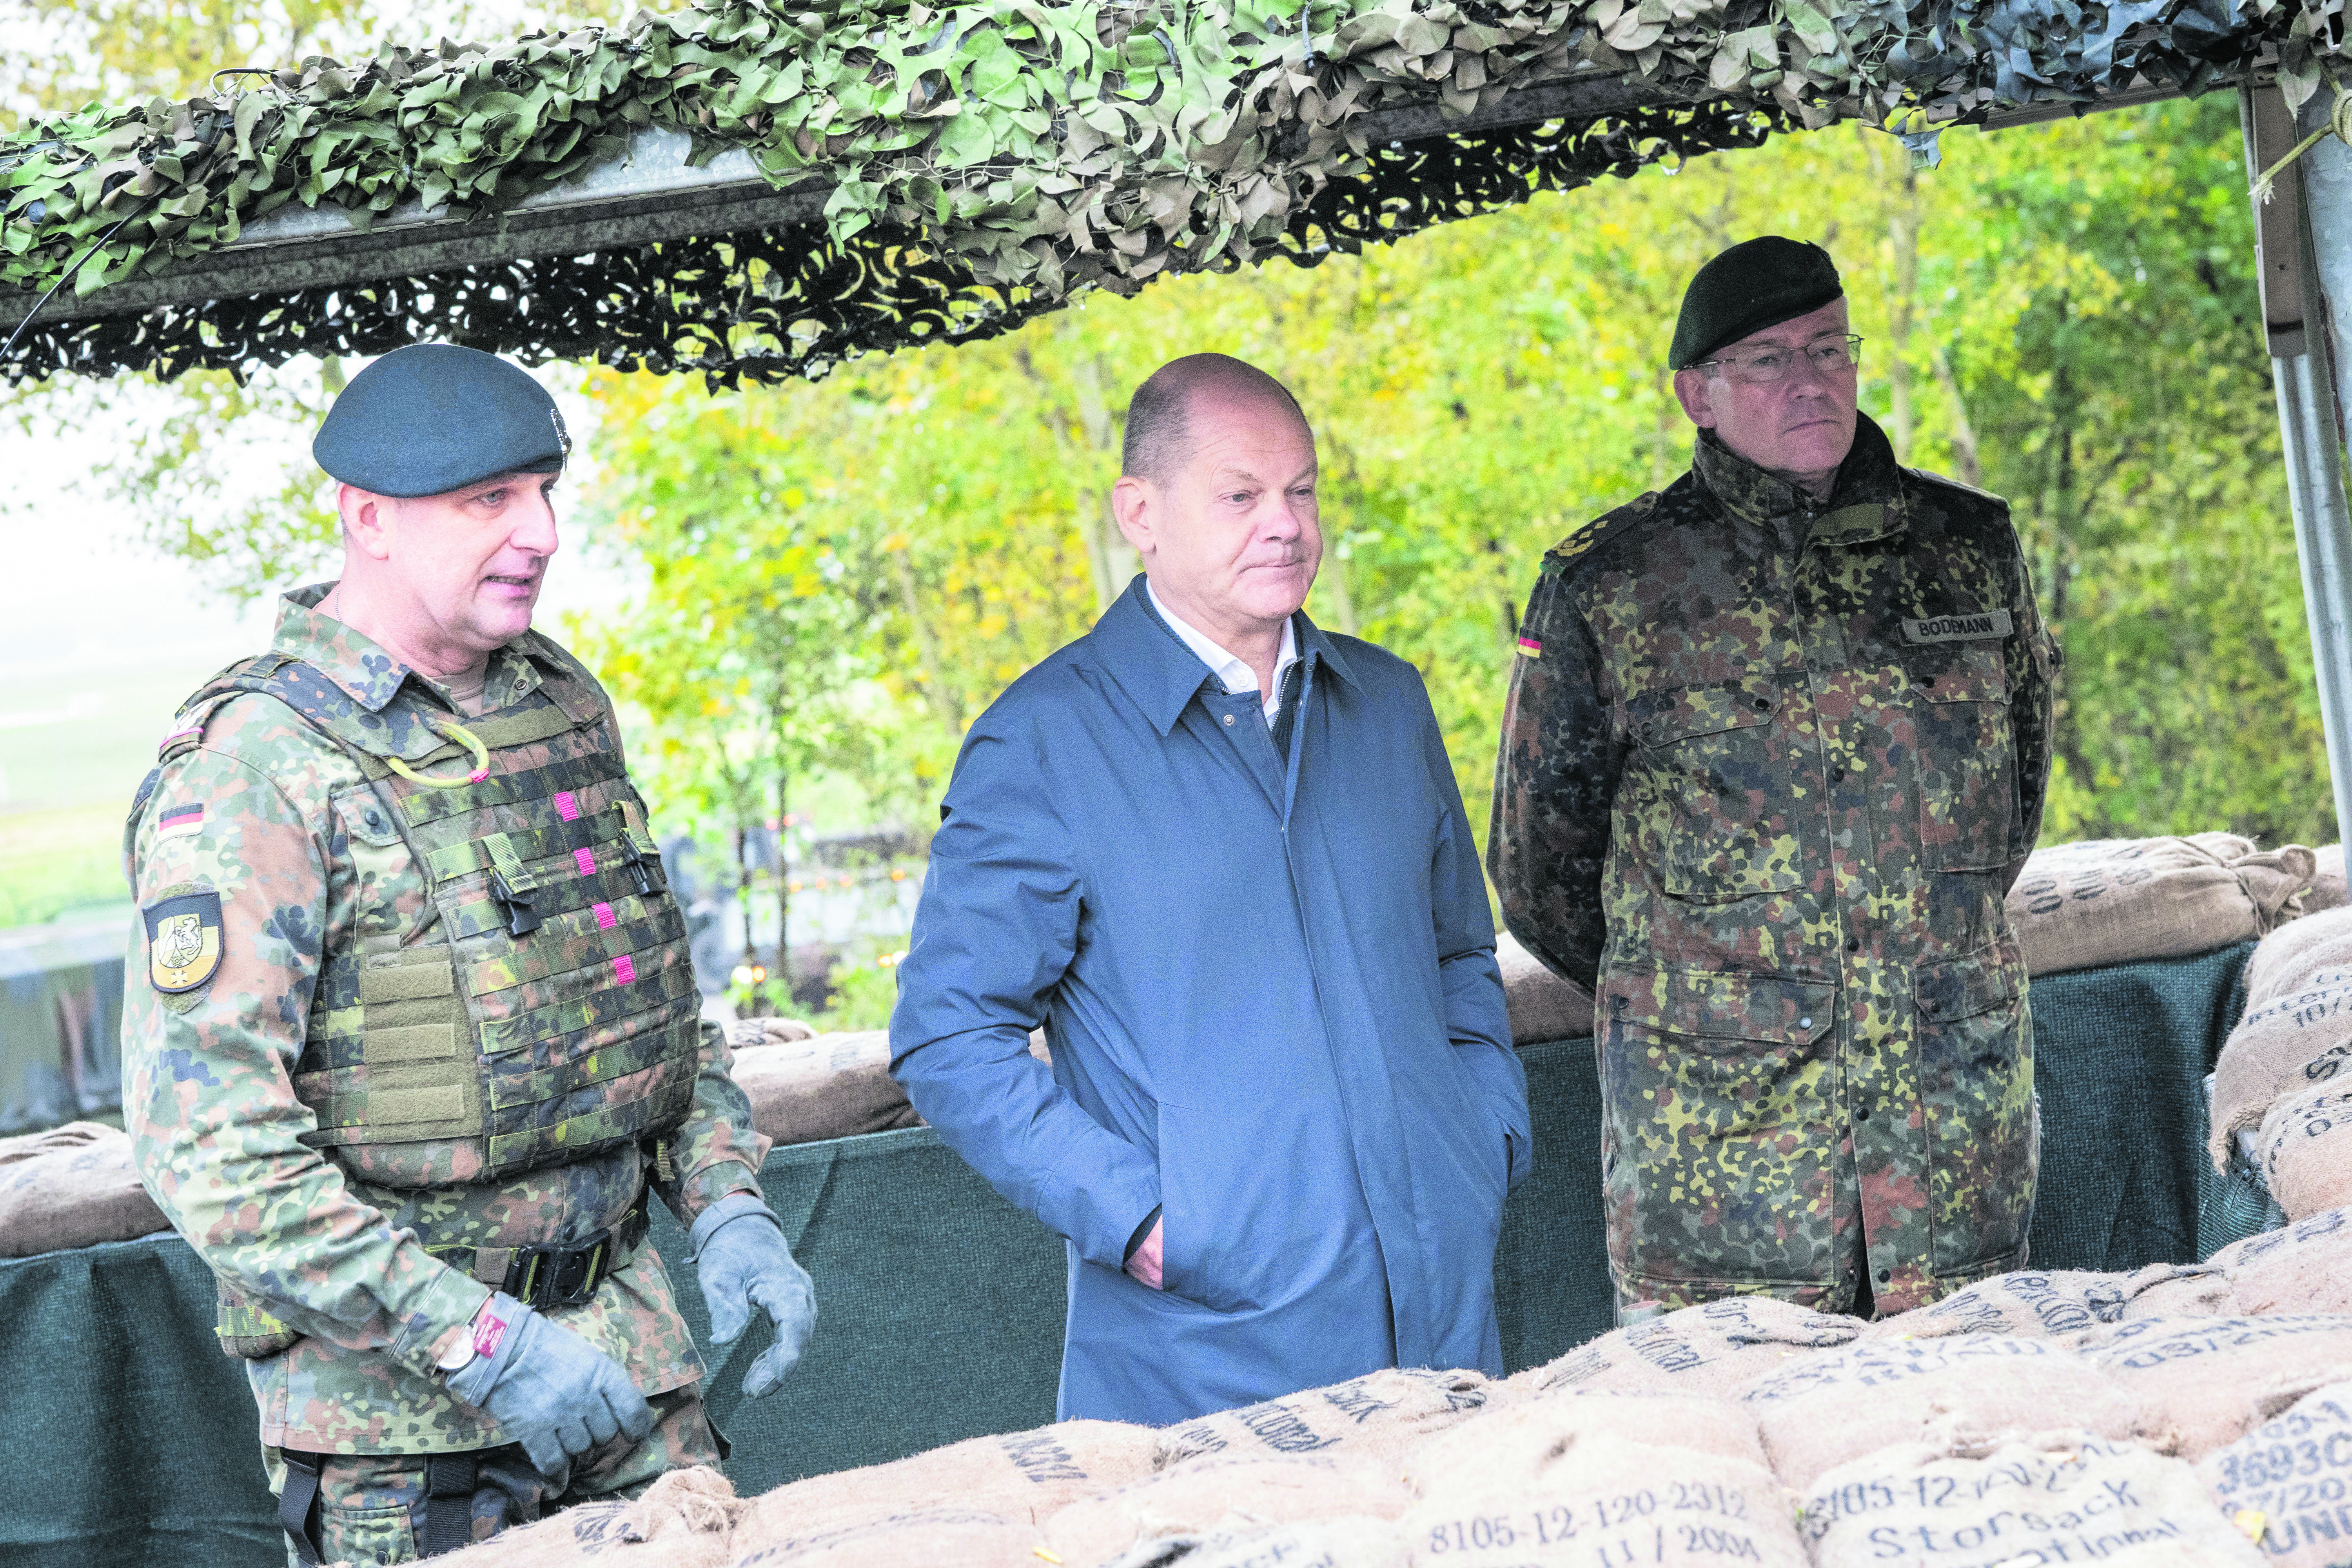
1219,854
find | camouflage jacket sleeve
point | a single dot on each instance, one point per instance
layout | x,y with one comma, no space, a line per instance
716,1151
2035,662
208,1094
1555,782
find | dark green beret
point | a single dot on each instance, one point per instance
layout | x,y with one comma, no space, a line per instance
1756,284
435,417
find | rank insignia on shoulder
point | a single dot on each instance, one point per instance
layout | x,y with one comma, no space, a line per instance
1531,647
184,941
180,821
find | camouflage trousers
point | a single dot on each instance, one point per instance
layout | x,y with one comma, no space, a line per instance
371,1507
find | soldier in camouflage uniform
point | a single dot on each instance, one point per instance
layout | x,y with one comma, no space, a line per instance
412,1031
1776,747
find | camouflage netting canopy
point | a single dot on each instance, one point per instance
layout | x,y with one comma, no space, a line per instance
965,167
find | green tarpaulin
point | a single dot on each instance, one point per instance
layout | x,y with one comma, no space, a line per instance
129,1437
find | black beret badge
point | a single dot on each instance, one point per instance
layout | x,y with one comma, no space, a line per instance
184,941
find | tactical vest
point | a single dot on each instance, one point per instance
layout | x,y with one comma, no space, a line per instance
543,1008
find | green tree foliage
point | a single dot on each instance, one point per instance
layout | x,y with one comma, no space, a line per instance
751,653
2064,314
195,462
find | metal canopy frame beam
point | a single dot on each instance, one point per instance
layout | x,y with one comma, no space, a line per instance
2302,254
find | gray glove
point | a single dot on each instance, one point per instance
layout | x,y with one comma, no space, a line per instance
741,1257
550,1390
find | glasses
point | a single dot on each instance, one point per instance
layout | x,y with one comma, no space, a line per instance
1831,356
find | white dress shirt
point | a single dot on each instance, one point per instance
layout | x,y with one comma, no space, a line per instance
1235,673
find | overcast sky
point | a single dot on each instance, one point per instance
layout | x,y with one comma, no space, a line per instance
101,637
85,594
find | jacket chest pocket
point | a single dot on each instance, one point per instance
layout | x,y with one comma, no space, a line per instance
1967,763
387,897
1718,795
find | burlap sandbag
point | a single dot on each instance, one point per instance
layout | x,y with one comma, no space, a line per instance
1532,1498
1222,1497
71,1186
1323,1544
2304,1267
2289,1481
1376,1414
2294,1041
2045,1499
2195,1290
2116,900
2290,958
1543,1006
684,1519
1023,1477
1709,1348
915,1531
2041,1302
1928,1396
2307,1150
1516,1445
831,1086
2327,890
2201,1383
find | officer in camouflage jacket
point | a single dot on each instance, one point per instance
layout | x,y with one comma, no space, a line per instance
411,1027
1776,747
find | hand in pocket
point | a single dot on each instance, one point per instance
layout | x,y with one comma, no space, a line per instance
1144,1264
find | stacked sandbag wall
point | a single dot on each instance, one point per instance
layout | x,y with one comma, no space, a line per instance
70,1187
2179,1416
2123,900
2283,1086
2075,906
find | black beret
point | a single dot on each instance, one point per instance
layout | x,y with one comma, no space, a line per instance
435,417
1756,284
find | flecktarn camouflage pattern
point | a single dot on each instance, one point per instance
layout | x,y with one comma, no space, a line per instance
444,1022
1767,769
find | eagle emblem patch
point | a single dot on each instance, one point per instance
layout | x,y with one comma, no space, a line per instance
184,941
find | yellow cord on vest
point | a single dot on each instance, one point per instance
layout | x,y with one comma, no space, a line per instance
449,730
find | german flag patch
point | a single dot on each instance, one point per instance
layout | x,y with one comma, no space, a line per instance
180,821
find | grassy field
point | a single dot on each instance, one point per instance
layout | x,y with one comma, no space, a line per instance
56,862
72,752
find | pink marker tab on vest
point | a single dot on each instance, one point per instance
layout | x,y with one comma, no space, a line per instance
624,969
587,861
604,921
567,806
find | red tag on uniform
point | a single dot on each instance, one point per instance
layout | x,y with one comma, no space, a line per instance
490,1332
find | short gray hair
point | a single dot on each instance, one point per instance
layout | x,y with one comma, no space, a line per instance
1159,417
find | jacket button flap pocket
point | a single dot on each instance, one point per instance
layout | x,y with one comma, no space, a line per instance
1976,676
1772,1008
1972,984
365,819
1663,718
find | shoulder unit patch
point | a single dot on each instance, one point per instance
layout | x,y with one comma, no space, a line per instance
184,941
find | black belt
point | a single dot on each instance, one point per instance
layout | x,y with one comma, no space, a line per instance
565,1275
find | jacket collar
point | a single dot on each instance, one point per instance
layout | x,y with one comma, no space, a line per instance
1161,675
1866,502
368,674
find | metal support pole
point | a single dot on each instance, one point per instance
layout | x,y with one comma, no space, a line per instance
2304,255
